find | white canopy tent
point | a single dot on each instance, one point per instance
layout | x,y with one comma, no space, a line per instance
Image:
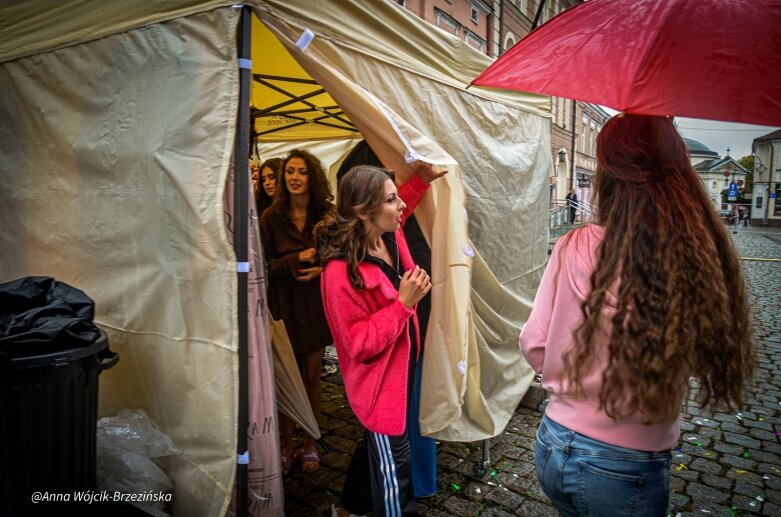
119,128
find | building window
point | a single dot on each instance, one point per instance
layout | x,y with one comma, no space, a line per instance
759,202
583,129
715,185
509,41
591,138
473,15
402,3
474,40
446,22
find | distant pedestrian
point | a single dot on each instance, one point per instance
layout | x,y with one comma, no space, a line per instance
627,311
572,200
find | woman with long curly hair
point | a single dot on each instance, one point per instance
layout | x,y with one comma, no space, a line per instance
370,289
301,199
628,310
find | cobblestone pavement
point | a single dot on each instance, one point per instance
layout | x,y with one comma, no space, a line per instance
724,465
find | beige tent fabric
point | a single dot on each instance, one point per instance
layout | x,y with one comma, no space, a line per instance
114,156
292,399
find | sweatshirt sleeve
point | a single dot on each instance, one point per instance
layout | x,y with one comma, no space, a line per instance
411,193
534,334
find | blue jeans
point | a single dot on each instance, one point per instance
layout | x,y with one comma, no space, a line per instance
583,476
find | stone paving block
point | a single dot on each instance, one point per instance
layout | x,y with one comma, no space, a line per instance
747,504
685,474
498,512
739,462
745,475
518,484
771,510
678,502
677,484
703,465
764,456
725,448
762,434
679,457
475,491
774,496
505,497
731,427
771,447
350,432
717,481
772,482
773,469
687,427
742,440
700,492
714,434
694,450
747,489
536,509
439,513
458,506
340,444
707,422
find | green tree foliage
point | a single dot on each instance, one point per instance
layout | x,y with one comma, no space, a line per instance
747,162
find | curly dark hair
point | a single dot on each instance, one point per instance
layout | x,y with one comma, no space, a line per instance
682,305
341,234
319,188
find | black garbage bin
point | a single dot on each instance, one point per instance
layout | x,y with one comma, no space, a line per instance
48,419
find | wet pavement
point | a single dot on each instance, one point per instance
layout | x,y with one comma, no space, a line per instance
725,464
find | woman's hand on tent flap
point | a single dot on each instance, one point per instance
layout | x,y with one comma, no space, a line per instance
427,173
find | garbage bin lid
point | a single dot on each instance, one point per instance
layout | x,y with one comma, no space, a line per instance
59,358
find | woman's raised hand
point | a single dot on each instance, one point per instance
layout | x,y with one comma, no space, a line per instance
414,285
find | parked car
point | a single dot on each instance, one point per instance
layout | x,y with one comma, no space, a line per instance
728,216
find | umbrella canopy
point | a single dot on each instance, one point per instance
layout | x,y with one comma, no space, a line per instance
711,59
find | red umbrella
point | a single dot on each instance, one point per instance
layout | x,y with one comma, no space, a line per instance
711,59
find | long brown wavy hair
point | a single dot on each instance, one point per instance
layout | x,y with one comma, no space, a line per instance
682,310
319,188
341,233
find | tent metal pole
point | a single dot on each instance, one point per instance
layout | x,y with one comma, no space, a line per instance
240,245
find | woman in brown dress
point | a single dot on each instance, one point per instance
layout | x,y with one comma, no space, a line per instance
302,197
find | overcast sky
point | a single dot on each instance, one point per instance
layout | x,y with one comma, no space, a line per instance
720,135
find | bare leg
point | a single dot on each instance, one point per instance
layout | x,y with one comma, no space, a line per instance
311,375
288,428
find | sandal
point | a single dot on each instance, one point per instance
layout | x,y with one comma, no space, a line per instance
310,460
289,461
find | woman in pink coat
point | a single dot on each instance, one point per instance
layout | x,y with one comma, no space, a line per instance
370,288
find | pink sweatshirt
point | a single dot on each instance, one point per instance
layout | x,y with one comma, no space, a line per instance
549,333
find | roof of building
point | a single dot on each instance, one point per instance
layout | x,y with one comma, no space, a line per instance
720,165
699,149
775,135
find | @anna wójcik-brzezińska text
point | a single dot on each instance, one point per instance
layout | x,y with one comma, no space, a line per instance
98,496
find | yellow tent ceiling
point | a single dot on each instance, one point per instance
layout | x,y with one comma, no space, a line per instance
287,104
